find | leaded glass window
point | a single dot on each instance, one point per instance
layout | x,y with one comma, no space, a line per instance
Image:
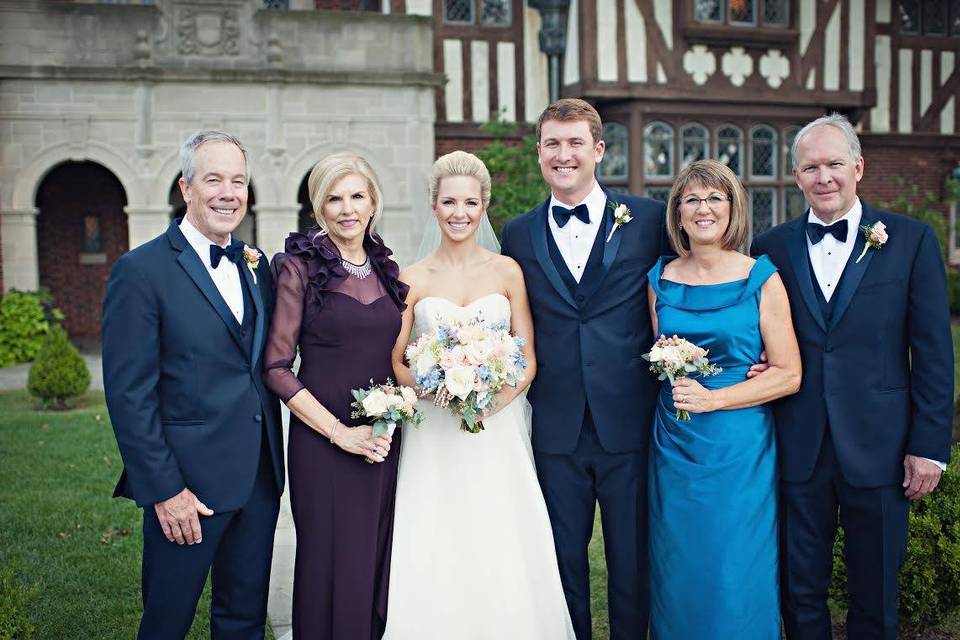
763,210
458,11
616,158
909,16
787,159
763,153
730,148
276,4
935,18
955,17
708,10
658,150
495,13
742,12
695,143
658,193
776,12
794,204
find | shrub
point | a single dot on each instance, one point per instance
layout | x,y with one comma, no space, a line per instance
59,372
953,291
930,578
14,600
25,318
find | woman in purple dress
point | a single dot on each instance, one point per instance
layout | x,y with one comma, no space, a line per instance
339,301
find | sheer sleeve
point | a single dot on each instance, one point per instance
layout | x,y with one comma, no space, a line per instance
281,349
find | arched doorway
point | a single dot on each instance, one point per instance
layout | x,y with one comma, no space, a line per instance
305,219
81,230
246,232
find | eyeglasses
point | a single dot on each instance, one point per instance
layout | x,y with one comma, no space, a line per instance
714,201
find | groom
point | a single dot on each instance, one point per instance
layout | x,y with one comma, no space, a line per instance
184,324
593,397
869,429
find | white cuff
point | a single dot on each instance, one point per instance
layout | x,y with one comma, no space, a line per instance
942,465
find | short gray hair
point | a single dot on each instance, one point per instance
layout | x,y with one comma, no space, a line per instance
833,120
188,150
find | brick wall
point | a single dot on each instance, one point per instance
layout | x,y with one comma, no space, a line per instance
893,164
68,194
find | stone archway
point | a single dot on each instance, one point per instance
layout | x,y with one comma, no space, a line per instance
81,230
247,231
305,219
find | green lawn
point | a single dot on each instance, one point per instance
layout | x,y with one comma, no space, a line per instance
60,528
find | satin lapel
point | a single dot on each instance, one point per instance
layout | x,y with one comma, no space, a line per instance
610,249
190,262
538,237
254,289
853,272
800,259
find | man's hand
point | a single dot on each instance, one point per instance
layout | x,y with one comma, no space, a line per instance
760,367
178,517
920,477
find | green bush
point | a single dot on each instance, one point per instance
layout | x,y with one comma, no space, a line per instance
15,598
930,578
25,318
58,372
953,291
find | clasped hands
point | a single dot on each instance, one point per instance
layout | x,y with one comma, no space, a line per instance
361,441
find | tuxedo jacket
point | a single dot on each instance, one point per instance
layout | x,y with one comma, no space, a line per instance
588,344
879,374
182,380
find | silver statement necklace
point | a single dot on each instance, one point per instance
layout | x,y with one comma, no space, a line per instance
359,271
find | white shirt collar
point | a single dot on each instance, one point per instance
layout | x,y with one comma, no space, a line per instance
852,216
199,242
596,200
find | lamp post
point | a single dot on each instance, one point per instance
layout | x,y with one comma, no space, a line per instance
553,37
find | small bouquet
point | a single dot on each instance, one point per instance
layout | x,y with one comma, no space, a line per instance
672,358
388,405
465,363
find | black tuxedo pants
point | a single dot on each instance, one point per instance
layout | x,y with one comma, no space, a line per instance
572,485
237,546
875,528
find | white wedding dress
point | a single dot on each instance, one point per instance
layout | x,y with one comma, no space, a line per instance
473,555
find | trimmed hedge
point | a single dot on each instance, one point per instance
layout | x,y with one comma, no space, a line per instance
59,371
25,319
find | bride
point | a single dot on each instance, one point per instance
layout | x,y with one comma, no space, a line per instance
473,554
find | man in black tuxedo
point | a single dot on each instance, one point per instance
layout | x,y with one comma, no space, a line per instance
593,396
869,429
184,321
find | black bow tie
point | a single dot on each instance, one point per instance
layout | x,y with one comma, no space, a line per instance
232,253
562,214
816,231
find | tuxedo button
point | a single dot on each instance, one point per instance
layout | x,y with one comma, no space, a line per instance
828,348
580,297
258,418
589,363
583,321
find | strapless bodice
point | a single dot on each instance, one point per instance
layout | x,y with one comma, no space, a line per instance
431,311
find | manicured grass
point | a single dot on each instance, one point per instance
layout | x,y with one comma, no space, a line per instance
60,528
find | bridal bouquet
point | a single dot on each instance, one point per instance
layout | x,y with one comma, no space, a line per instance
675,357
465,363
388,405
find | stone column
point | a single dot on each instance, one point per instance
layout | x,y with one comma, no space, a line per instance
274,224
146,223
18,235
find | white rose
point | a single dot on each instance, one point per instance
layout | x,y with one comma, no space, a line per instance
459,381
375,404
394,401
656,354
425,361
409,396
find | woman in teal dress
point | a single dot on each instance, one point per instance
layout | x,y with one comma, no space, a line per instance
713,479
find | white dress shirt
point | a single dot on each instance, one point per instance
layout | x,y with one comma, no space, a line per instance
226,276
575,240
829,258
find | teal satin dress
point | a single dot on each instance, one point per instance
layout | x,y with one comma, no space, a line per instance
713,479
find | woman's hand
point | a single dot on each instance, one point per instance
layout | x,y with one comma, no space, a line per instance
360,441
691,396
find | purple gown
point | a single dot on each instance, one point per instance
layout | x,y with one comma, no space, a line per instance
342,506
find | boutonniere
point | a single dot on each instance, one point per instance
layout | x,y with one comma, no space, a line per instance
621,216
876,237
252,257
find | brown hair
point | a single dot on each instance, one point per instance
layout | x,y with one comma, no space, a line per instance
570,109
709,173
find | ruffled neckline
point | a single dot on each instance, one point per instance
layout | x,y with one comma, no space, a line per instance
325,272
707,297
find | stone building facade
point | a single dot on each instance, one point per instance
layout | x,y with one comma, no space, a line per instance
95,99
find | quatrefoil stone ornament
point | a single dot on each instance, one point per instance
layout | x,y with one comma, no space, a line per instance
774,68
699,63
737,65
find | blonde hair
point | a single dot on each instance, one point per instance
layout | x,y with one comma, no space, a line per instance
709,173
460,163
572,109
328,171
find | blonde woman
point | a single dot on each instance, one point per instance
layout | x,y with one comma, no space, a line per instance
339,302
473,555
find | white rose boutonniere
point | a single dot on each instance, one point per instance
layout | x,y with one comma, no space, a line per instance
876,237
621,216
252,257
